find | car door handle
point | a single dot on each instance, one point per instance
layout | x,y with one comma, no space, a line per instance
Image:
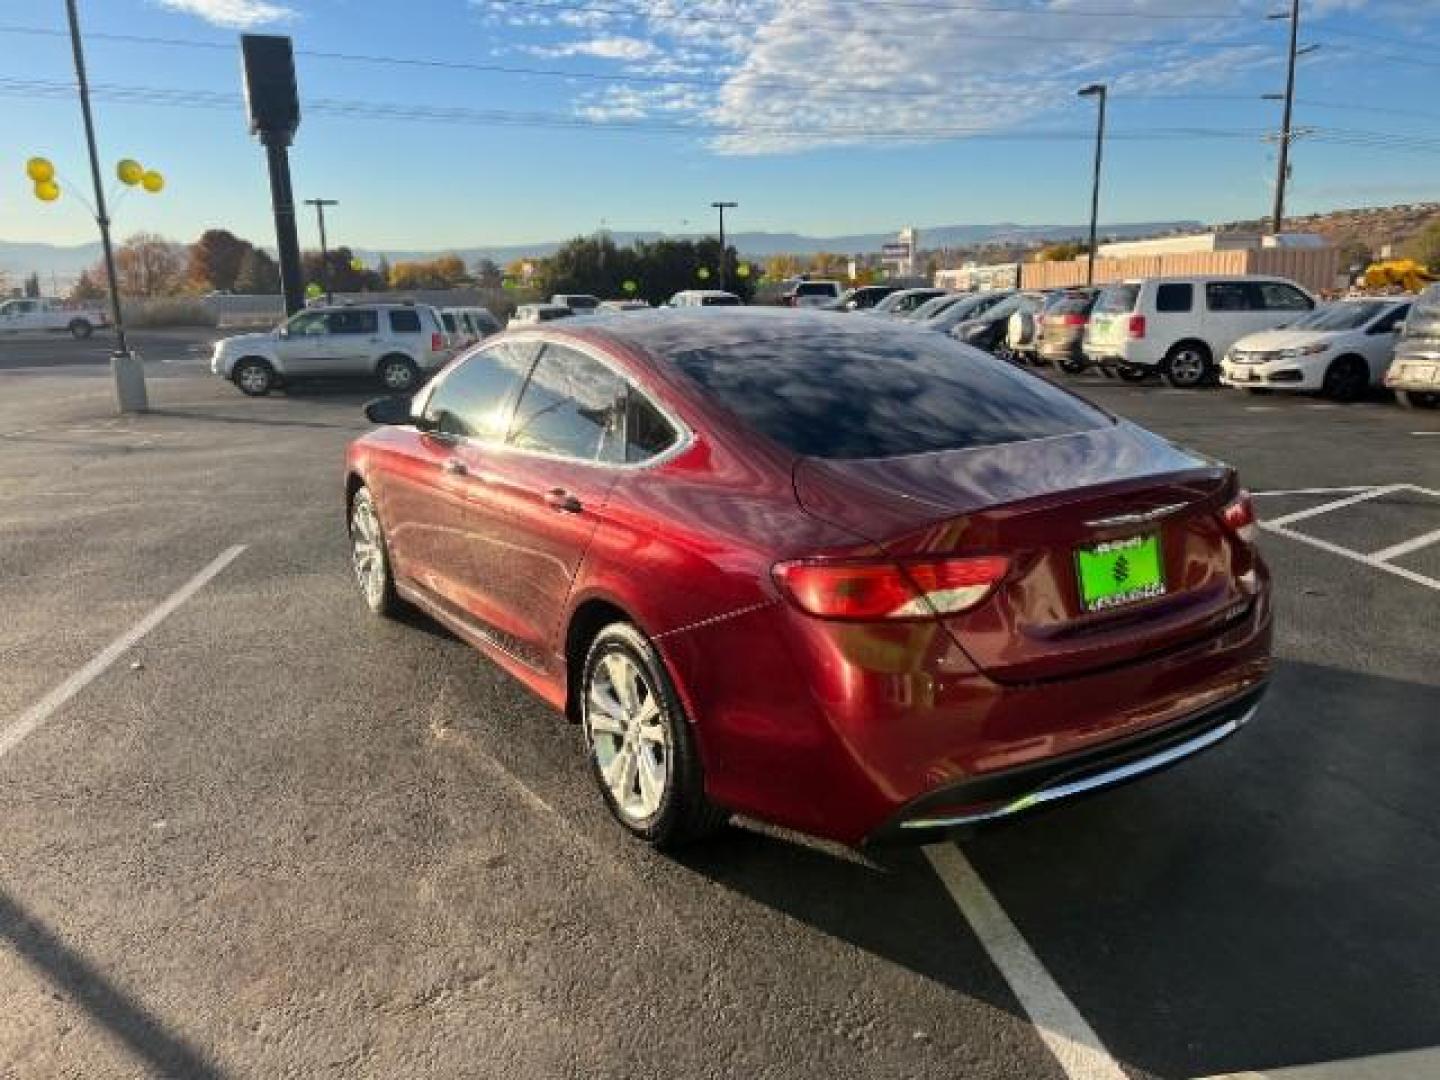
455,467
560,499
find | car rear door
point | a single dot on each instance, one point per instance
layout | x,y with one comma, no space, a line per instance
353,334
544,494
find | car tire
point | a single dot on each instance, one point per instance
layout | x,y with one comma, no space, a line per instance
1071,365
398,374
80,329
1346,379
1188,365
639,742
1418,399
254,377
370,555
1133,373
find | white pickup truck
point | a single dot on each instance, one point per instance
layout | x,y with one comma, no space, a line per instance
44,314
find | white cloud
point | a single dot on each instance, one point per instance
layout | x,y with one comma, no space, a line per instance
235,14
604,48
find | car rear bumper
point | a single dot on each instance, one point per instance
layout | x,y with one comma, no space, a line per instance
995,797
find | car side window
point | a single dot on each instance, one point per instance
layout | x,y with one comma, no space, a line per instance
474,400
1174,298
571,406
1277,296
1388,324
647,433
405,321
360,321
1230,296
307,323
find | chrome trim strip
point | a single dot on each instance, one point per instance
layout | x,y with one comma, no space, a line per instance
1139,518
1128,771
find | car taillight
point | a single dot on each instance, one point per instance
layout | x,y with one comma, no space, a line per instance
875,589
1239,517
1074,320
437,342
1137,326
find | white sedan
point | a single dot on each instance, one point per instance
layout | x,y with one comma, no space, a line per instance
1342,350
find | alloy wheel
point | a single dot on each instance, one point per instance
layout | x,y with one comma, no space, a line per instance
1187,367
626,729
367,554
254,379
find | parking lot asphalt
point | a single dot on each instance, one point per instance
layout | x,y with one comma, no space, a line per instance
33,350
278,837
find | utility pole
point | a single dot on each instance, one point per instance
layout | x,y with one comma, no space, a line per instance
126,368
320,205
1283,174
1095,90
722,207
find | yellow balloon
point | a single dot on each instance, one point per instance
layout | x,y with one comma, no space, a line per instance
152,181
40,170
47,191
129,171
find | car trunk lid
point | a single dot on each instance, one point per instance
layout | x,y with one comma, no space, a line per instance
1040,503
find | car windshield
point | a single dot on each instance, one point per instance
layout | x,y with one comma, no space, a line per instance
876,395
1117,300
937,305
1348,316
1005,308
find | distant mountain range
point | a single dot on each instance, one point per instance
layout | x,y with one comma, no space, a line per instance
64,263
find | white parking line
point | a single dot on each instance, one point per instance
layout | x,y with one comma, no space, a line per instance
1058,1023
1338,504
1314,491
1405,547
1406,1065
37,714
1355,556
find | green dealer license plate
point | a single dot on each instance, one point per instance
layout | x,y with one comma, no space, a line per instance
1120,572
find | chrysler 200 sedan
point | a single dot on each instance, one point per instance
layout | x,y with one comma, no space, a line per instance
849,577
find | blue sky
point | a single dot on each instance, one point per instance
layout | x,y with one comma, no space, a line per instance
817,116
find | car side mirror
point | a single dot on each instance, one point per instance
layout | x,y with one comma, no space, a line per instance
389,411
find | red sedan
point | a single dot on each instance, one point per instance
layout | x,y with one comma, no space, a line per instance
831,572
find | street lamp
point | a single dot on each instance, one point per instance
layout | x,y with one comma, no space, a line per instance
722,207
1095,90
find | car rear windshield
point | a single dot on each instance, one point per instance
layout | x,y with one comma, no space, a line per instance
1424,321
882,395
1117,300
1070,304
815,288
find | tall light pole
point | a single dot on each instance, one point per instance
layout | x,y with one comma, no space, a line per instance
1095,90
1287,134
125,367
722,207
320,205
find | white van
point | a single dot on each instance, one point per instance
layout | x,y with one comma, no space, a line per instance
1180,327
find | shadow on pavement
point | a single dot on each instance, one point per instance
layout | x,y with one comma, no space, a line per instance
1270,904
164,1053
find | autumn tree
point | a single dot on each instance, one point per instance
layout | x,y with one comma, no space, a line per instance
87,287
1424,246
342,271
258,274
214,259
780,267
487,273
148,265
445,272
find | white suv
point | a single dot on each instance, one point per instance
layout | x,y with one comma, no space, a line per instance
395,343
1181,327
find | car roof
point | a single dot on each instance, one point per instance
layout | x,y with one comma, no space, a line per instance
669,331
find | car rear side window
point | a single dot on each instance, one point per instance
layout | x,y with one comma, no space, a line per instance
474,400
448,318
356,321
405,321
1277,296
1174,297
868,395
571,406
647,432
1117,300
1233,296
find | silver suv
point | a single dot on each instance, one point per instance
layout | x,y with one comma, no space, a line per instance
397,344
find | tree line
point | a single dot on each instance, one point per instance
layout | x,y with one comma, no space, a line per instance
645,270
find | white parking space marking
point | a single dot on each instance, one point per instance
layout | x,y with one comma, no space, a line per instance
1405,547
1355,556
1338,504
1407,1065
1058,1023
1314,491
12,735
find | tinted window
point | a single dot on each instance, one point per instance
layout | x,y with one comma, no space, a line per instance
647,433
815,288
882,395
1117,300
474,398
448,318
551,314
1277,296
406,321
360,321
571,406
1174,297
720,301
1232,296
1391,322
